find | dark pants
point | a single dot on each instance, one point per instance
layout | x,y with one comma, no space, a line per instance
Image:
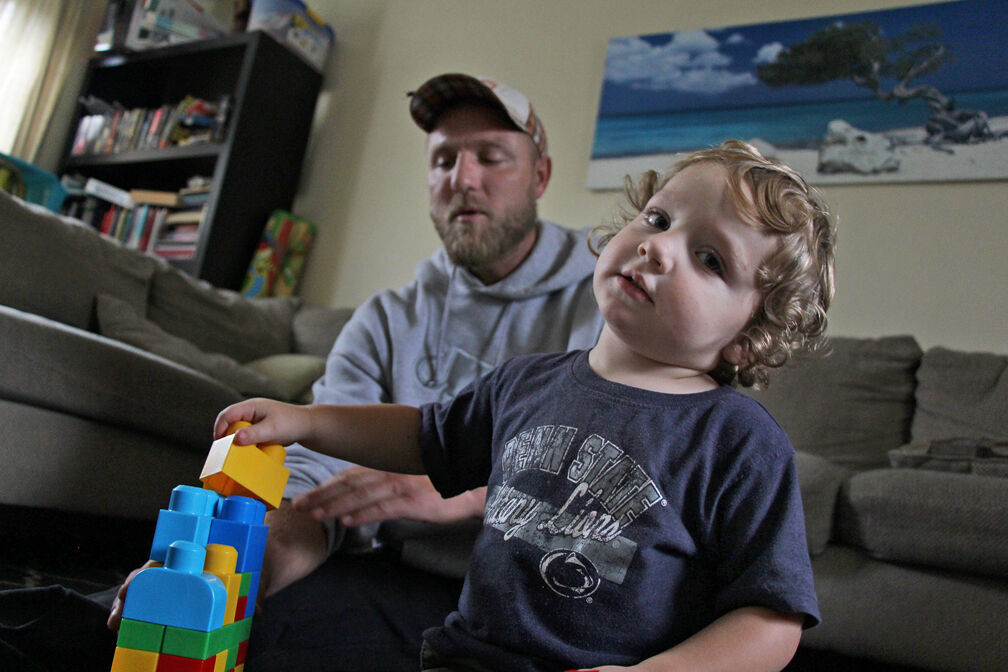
355,613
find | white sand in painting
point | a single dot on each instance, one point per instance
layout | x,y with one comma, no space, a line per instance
918,162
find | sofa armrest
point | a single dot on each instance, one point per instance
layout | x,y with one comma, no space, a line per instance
55,366
315,328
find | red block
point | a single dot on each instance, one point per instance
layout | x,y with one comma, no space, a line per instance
242,652
240,608
170,663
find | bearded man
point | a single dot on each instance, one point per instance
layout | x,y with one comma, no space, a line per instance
505,283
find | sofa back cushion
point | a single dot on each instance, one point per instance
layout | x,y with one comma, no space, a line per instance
851,406
961,395
220,320
55,266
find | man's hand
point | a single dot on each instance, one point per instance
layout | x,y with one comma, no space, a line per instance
115,616
358,495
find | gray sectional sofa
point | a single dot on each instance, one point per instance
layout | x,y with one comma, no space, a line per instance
114,366
903,464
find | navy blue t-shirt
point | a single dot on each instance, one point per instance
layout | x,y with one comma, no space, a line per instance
618,521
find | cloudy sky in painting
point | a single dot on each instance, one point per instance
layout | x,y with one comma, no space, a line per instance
717,67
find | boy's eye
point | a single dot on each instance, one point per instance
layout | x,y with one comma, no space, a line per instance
657,219
711,262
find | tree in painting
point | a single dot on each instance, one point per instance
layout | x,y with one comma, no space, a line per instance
862,54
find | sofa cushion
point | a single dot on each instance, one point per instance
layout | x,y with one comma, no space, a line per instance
316,328
944,520
851,406
220,320
57,265
820,481
961,394
117,320
292,374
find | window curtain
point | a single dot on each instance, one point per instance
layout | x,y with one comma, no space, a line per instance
44,47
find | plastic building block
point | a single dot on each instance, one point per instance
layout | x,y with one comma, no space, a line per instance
187,517
140,635
180,593
239,524
253,591
221,561
234,469
169,663
134,660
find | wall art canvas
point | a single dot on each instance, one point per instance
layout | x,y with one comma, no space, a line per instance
913,94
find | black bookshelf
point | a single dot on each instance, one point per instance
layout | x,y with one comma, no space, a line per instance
255,165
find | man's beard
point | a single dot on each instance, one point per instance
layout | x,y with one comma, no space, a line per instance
475,247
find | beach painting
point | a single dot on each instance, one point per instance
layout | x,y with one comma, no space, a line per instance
912,94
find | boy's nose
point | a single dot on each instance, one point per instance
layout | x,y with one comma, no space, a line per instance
657,251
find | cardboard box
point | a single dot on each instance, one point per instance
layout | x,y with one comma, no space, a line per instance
294,24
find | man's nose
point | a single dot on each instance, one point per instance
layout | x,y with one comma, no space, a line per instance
466,173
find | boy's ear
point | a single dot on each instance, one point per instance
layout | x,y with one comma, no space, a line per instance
738,352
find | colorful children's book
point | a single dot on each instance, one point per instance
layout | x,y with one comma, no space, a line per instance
279,260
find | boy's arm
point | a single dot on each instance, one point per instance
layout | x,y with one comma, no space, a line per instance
754,639
380,436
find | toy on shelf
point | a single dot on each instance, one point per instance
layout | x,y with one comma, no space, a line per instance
191,609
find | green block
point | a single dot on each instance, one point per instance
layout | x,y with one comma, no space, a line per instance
140,635
192,643
246,584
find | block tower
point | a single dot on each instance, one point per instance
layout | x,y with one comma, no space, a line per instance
191,609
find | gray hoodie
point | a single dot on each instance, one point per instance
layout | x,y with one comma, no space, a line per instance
427,340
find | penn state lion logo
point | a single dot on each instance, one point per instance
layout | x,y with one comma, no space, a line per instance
569,573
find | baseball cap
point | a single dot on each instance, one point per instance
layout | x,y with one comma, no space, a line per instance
430,100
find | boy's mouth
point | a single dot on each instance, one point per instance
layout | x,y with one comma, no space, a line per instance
633,285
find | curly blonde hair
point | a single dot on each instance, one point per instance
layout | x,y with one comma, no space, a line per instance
796,281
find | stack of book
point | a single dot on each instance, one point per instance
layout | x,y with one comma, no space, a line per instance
179,232
163,223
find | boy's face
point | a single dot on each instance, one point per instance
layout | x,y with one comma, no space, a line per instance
678,283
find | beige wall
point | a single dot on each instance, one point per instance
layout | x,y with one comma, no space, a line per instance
925,259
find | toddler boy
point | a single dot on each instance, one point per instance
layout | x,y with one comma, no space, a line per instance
642,513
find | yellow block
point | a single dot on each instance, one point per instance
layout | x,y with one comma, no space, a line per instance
221,561
250,471
133,660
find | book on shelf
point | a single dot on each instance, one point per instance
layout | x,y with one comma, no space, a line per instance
112,129
95,187
160,222
155,197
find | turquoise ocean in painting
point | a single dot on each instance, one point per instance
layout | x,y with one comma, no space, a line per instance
786,126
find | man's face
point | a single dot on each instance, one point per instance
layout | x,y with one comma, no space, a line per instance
484,178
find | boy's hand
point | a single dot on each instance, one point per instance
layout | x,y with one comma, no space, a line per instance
272,422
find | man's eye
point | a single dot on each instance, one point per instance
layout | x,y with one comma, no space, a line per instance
442,162
711,261
658,220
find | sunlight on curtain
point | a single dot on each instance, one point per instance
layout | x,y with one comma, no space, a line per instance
41,42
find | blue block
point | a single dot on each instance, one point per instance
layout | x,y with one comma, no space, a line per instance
179,594
187,518
239,524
